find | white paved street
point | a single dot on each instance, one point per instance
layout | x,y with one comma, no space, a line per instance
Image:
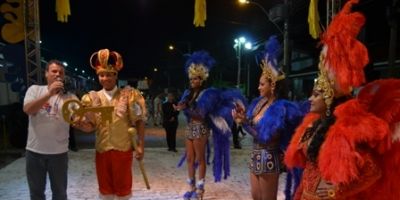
167,181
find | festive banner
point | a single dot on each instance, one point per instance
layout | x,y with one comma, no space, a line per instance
63,10
200,13
313,19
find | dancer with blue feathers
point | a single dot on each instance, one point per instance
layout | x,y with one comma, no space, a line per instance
271,120
206,109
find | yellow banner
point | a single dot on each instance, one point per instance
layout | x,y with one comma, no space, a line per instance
63,10
200,13
313,19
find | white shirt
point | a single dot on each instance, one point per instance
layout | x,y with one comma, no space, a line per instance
48,133
110,94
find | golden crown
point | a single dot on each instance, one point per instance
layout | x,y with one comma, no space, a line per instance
106,61
198,70
270,73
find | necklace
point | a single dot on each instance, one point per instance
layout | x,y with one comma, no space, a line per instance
260,105
258,108
310,131
307,135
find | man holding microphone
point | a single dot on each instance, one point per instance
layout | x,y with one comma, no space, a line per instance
47,145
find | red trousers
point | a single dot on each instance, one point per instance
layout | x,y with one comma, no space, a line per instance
114,172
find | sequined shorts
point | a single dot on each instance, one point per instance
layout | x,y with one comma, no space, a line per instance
265,161
197,130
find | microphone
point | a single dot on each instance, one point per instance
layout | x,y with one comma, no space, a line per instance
62,91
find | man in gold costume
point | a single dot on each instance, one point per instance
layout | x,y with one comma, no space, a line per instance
113,141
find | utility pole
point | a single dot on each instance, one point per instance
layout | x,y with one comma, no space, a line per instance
239,57
393,23
286,45
248,79
32,42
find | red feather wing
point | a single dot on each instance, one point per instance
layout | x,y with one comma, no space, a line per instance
382,98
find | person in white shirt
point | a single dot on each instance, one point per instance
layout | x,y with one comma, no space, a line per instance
47,145
157,110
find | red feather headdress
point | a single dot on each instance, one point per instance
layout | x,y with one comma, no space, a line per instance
343,57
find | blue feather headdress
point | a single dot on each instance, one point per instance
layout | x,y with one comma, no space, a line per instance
269,63
199,64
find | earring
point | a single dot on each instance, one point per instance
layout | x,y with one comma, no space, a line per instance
273,87
328,111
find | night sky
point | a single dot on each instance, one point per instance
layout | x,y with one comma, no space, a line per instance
141,30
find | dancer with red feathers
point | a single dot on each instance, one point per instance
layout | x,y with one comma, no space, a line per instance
347,146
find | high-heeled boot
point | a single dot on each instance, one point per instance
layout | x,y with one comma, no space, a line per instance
198,194
192,189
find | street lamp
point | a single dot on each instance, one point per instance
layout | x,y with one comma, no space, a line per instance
263,10
238,46
285,32
184,48
172,47
248,46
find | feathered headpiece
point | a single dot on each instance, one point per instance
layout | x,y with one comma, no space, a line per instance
323,83
269,63
343,57
106,61
199,65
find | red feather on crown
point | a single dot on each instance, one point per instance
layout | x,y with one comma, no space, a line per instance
346,56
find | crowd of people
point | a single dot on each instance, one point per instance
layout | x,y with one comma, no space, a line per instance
333,146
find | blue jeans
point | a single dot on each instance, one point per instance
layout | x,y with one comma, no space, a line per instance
37,167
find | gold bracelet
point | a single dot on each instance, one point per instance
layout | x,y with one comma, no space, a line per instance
331,193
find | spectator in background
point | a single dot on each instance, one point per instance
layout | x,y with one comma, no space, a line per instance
157,110
236,129
150,110
170,121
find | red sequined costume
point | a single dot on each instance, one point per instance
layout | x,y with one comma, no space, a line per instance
360,152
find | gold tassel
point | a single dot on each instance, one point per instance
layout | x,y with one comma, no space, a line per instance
313,19
63,10
200,13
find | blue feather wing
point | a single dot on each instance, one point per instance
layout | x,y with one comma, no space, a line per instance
184,98
221,115
282,117
294,113
207,102
271,123
221,121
